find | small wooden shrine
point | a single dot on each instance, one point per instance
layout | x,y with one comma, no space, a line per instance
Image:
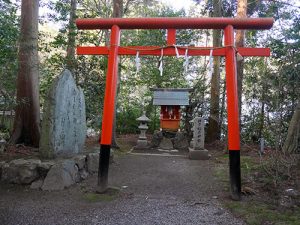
170,100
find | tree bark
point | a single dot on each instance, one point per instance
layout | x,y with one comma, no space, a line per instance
27,117
239,42
213,130
117,8
117,12
262,111
292,142
70,58
222,107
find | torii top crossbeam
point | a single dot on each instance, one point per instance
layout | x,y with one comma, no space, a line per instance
175,23
171,24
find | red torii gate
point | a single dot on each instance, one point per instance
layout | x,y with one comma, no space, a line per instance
171,24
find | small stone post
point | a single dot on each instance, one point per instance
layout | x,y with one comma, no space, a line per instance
196,150
142,142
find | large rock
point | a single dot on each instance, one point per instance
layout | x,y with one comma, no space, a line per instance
2,145
80,161
44,167
2,163
92,162
180,141
36,184
156,139
20,171
166,144
64,121
62,174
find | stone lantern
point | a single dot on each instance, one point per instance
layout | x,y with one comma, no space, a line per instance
142,142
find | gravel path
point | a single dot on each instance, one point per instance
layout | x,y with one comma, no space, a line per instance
154,190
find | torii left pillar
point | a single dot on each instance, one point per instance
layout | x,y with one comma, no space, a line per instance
108,110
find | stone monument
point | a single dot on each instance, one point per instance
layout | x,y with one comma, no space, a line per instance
63,130
196,150
142,142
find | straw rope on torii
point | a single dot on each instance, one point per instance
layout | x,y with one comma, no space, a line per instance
229,51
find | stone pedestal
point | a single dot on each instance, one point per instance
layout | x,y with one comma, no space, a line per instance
196,150
198,154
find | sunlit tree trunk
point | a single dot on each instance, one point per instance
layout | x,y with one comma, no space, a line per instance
27,117
222,110
117,12
239,42
70,59
262,112
292,142
213,131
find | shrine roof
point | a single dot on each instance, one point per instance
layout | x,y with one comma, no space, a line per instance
171,96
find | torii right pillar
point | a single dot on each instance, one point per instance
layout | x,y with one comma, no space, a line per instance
232,114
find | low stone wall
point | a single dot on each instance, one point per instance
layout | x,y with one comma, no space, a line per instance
49,175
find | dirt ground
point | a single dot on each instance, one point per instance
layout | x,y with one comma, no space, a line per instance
146,190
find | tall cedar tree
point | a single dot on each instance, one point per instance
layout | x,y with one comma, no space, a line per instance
27,118
213,131
70,59
292,142
239,42
117,12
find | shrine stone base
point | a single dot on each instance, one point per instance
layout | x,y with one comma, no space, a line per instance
198,154
168,140
142,144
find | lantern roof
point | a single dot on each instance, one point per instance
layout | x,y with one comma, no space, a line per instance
143,118
171,96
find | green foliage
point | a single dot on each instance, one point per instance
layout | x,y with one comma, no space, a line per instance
270,91
261,208
256,213
9,33
272,87
126,122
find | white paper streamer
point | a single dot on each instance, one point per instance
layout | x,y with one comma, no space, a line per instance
137,62
239,57
186,61
176,51
210,64
161,62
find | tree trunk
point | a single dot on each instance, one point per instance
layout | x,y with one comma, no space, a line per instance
222,107
117,8
262,111
70,59
262,120
213,130
292,142
239,42
117,12
27,117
